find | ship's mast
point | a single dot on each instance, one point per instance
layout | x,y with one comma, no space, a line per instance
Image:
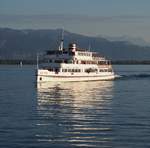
62,41
37,61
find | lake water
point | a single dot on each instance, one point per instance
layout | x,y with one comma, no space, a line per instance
109,114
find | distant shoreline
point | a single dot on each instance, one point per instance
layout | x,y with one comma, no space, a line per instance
114,62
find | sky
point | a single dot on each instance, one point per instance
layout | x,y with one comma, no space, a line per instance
87,17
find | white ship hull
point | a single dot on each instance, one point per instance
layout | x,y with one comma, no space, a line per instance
45,76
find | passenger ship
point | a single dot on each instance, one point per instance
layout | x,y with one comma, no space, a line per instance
74,64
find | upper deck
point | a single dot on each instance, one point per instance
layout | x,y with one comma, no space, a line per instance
74,53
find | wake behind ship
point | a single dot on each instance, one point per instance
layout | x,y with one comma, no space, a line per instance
74,64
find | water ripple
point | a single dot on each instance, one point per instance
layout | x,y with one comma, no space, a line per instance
78,111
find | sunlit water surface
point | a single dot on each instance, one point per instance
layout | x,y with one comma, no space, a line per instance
75,114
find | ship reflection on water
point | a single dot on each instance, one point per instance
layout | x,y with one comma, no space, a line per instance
75,114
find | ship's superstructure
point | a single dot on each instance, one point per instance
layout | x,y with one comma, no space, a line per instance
74,64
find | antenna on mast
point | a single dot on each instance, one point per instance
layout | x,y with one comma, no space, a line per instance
37,61
62,40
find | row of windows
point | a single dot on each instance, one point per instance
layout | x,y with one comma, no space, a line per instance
82,62
71,70
87,70
79,70
63,70
96,70
95,62
103,62
84,54
105,70
90,70
58,52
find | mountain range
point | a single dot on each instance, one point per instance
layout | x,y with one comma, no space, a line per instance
26,43
125,38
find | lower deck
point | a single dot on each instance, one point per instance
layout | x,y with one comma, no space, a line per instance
45,76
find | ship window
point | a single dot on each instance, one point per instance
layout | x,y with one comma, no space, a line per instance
109,70
83,62
72,70
76,70
56,70
101,70
83,54
90,70
79,53
50,69
69,70
102,62
64,70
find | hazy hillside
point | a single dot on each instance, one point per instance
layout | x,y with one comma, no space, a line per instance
132,40
15,44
